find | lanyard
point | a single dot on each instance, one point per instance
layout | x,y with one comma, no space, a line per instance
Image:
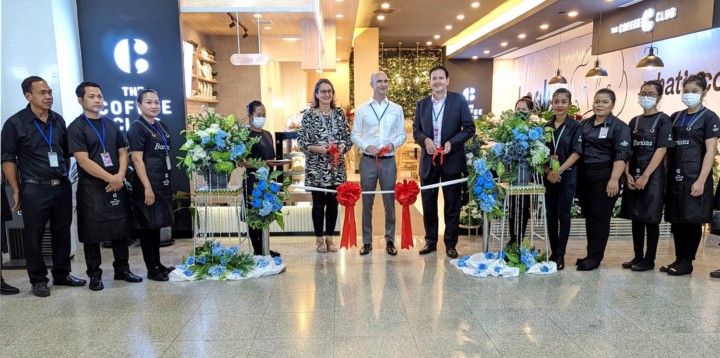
682,123
101,138
556,140
436,116
652,130
383,113
47,140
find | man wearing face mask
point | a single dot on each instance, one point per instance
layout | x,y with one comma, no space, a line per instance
263,150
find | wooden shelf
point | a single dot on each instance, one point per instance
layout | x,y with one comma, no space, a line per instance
204,59
205,79
202,100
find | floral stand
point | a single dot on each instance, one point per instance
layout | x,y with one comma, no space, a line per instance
264,266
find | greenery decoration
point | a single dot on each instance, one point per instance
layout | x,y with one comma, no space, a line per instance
524,256
407,70
212,260
266,198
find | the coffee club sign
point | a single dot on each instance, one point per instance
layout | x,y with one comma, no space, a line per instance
662,19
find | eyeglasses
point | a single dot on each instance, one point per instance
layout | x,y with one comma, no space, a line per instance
325,92
646,94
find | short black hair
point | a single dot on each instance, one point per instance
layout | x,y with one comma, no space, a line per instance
252,105
655,83
439,67
142,94
27,83
699,79
80,90
562,90
528,101
608,92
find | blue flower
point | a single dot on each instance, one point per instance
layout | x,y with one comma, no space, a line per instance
201,260
261,263
204,140
217,251
269,197
488,176
221,134
236,272
274,187
278,260
262,185
187,273
489,256
277,205
481,268
233,250
536,253
220,143
223,260
498,269
462,262
237,151
489,184
190,260
480,180
217,270
183,267
480,166
535,133
256,203
477,189
544,268
256,193
524,144
498,148
216,244
501,254
263,173
267,208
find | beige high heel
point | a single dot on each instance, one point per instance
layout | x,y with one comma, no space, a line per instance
330,245
321,246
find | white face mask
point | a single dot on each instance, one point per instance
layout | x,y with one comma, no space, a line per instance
647,102
258,122
691,99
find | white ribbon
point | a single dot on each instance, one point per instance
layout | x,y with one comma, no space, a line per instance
426,187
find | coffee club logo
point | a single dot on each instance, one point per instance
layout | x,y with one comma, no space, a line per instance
125,58
646,22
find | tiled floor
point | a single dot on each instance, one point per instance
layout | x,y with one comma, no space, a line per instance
344,305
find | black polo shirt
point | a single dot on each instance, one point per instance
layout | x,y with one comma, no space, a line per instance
568,138
23,144
614,144
264,149
82,138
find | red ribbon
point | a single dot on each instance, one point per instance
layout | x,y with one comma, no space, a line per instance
348,194
406,193
385,150
438,150
335,152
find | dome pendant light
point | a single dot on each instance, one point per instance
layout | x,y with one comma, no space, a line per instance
558,79
651,61
597,71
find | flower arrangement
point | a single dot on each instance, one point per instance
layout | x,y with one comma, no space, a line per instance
524,256
483,190
214,143
471,215
266,198
486,125
212,260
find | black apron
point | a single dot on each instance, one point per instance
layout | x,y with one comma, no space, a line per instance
102,216
160,214
645,205
685,164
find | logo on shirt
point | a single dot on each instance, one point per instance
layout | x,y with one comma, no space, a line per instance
678,177
124,55
115,201
579,139
642,143
624,143
682,142
159,146
670,137
715,128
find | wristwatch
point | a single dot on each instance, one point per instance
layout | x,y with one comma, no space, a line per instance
560,171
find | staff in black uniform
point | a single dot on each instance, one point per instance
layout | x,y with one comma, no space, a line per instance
606,149
5,289
645,175
151,198
566,149
520,204
103,206
689,201
34,142
263,150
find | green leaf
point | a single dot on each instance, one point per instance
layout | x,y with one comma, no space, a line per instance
500,169
280,219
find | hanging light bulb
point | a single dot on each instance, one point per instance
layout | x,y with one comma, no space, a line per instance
558,79
597,71
650,61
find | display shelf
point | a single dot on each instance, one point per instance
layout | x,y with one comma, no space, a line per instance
205,59
205,79
202,100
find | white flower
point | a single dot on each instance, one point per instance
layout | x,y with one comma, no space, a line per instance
198,153
202,133
189,143
469,155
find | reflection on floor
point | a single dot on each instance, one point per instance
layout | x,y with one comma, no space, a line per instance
345,305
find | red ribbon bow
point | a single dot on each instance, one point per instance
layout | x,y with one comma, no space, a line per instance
335,152
385,150
438,150
406,193
348,194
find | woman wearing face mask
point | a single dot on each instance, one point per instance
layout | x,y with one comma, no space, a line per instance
606,149
149,141
689,201
642,202
265,151
565,148
520,204
324,126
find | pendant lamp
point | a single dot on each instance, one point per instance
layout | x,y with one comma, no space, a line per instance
651,61
558,79
597,71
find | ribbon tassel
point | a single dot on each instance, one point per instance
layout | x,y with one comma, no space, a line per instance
348,194
439,151
406,194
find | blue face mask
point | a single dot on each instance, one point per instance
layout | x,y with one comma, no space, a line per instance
647,102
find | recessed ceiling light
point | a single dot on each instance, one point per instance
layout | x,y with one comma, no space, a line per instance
486,52
448,27
474,57
544,26
429,43
475,4
339,16
339,0
436,37
268,28
257,15
460,17
503,44
521,36
319,70
339,37
381,17
572,13
338,59
385,5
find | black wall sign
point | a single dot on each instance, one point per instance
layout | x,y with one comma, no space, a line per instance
129,45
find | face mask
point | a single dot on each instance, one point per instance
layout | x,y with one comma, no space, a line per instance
258,122
647,102
691,99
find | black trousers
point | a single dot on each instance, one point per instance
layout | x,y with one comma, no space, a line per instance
256,240
597,207
519,206
653,236
150,245
324,210
451,194
40,204
558,201
93,258
687,240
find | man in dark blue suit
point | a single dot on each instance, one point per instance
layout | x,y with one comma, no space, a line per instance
443,124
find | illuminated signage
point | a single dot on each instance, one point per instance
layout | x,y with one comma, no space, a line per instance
249,59
123,55
646,22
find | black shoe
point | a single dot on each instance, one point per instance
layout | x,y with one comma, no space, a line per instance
390,248
667,267
685,267
451,253
365,249
41,289
428,249
166,270
127,276
6,289
553,257
96,284
629,264
560,262
579,262
157,275
588,265
69,281
274,253
715,274
644,265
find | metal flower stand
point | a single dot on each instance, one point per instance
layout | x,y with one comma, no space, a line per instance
218,211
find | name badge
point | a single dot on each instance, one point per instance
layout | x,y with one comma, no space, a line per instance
107,161
53,158
167,161
604,132
377,132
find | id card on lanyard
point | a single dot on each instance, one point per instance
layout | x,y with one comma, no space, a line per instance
52,156
379,118
436,123
107,160
604,132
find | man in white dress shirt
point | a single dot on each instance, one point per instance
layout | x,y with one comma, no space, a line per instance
379,129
